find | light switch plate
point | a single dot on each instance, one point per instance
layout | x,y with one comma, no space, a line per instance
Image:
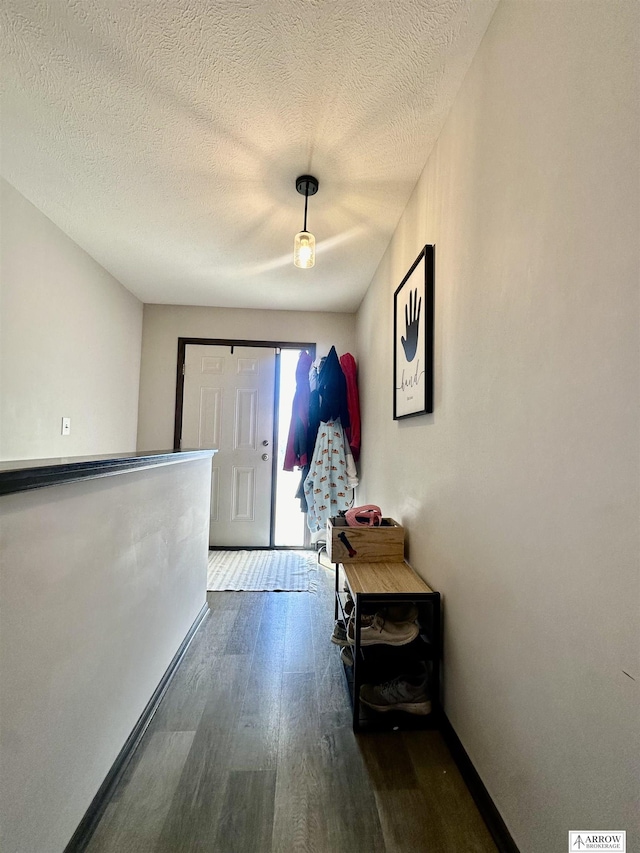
66,426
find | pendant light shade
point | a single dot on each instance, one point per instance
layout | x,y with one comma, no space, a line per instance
304,250
304,244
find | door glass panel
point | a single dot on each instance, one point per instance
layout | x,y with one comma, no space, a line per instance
289,520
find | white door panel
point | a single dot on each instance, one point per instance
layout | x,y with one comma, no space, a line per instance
228,403
209,416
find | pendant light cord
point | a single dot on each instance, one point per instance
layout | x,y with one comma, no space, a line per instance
306,199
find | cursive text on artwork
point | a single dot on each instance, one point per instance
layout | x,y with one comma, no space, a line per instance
412,379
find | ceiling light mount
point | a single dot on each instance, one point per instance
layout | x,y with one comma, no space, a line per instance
307,185
304,245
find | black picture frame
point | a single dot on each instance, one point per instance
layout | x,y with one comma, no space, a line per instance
413,322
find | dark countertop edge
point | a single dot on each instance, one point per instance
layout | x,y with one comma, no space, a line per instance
25,474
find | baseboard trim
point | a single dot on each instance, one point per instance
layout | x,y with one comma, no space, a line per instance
486,806
87,825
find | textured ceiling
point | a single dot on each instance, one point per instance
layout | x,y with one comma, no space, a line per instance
165,136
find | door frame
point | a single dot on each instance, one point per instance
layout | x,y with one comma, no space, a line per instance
234,342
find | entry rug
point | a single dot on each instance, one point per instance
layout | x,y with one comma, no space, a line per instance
273,571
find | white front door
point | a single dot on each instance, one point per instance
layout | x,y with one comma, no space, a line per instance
228,404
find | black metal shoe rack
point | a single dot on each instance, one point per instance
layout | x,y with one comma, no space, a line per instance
377,663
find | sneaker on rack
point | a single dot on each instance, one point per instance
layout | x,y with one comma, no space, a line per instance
365,622
346,656
339,636
376,629
399,694
401,612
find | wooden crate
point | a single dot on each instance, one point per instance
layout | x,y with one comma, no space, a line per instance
364,544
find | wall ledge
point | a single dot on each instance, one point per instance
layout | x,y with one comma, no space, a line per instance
25,474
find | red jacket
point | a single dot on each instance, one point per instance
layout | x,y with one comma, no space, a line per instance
352,432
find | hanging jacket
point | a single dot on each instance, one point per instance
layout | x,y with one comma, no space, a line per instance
332,477
296,453
352,432
332,387
314,409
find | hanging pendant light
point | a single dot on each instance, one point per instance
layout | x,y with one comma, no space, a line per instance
304,244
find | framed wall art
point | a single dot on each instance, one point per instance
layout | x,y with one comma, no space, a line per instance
413,308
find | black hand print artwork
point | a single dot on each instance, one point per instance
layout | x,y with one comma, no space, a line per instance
412,320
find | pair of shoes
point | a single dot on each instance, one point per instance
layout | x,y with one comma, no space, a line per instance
339,636
399,694
376,629
346,656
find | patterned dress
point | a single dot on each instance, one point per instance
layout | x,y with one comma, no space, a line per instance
329,484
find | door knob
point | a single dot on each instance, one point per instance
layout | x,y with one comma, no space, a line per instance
265,456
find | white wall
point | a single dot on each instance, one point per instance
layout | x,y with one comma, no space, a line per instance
520,492
70,339
164,324
100,582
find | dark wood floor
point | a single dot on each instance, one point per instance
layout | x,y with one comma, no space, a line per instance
251,751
